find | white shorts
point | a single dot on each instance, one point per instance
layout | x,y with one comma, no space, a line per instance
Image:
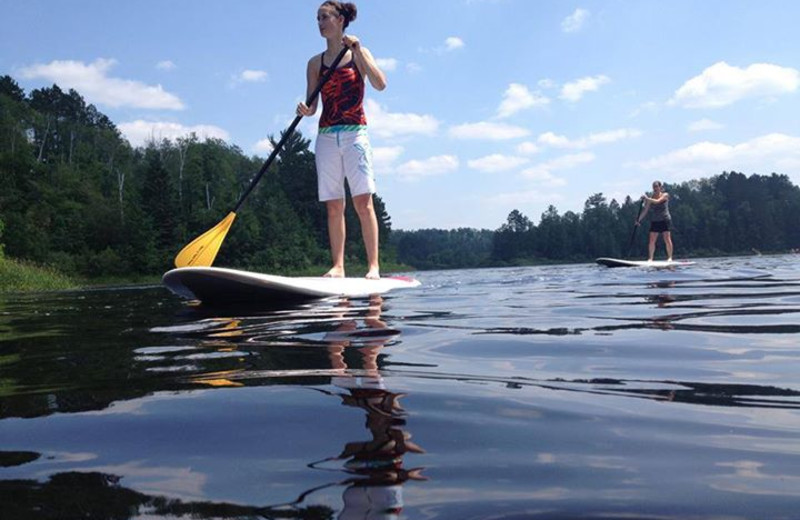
344,155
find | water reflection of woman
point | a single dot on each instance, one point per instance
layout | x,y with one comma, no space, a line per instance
376,465
375,491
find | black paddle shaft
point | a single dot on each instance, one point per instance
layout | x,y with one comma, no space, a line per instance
289,131
633,233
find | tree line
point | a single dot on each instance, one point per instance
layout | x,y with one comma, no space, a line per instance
77,196
729,213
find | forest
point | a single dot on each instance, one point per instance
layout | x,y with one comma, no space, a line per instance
78,197
726,214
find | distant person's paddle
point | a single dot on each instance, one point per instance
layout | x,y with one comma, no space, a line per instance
635,227
203,249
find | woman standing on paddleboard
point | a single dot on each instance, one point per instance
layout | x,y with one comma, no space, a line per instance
342,148
660,221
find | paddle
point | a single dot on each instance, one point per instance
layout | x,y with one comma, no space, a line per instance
635,227
203,249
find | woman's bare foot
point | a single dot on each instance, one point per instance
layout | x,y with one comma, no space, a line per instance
334,272
373,274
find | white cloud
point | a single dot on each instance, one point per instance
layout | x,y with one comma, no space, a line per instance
528,148
553,140
450,44
546,83
497,163
387,64
575,90
703,125
488,131
543,172
575,21
383,123
547,179
95,86
517,97
139,132
779,153
165,65
438,165
384,157
544,178
620,189
249,76
254,75
721,84
610,136
453,42
263,146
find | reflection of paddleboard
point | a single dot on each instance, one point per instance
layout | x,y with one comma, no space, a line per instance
219,285
658,264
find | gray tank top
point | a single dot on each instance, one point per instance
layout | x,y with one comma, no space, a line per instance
660,212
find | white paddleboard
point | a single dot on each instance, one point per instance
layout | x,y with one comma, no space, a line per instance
656,264
221,285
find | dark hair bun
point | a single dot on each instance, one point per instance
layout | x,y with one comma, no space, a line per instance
349,10
346,9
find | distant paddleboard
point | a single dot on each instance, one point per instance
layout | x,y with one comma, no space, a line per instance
656,264
219,285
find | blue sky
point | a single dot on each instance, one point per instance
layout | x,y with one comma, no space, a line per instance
491,105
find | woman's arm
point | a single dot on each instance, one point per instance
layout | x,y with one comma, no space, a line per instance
662,198
366,64
312,78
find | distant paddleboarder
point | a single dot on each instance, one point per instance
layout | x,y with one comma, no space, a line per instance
342,148
660,220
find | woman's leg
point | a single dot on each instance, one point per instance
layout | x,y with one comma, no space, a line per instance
668,243
330,186
651,246
336,236
369,231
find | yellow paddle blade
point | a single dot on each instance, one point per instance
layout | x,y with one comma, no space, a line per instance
203,249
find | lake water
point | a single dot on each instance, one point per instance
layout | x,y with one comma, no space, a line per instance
541,392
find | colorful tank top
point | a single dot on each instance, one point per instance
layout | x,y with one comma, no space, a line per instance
342,99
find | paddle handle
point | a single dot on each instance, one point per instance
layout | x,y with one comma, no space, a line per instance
289,131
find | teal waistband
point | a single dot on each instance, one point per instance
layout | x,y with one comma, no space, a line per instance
341,128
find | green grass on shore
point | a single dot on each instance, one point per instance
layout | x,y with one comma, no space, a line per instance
17,275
